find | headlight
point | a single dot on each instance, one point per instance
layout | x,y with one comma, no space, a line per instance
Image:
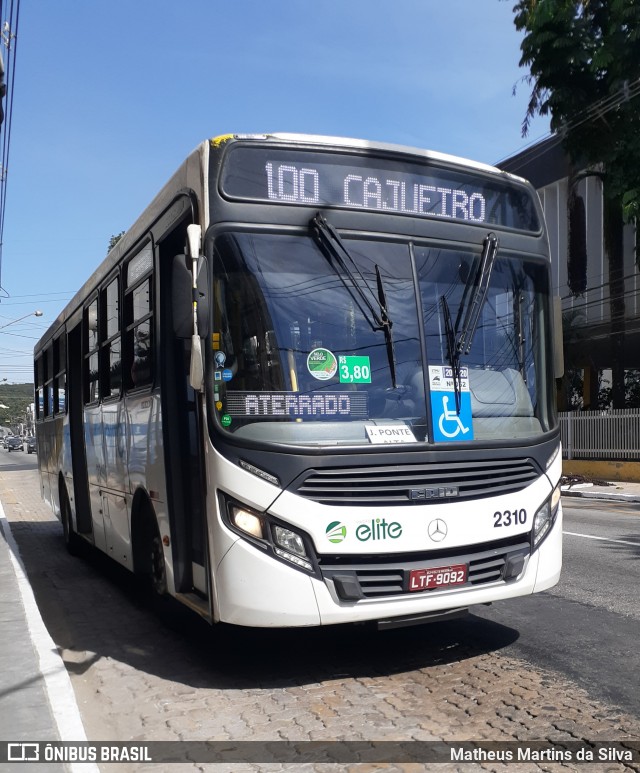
290,546
247,521
289,540
545,517
282,542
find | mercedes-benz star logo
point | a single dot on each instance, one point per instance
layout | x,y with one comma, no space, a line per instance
437,530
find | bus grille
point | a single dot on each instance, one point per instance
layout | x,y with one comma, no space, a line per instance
366,579
416,483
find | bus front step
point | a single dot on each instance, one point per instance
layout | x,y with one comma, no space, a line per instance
196,603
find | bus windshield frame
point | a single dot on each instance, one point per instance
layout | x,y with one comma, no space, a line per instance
306,365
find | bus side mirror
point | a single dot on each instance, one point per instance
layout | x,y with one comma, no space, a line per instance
182,296
203,296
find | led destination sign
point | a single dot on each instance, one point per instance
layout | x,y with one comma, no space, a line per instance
393,186
316,405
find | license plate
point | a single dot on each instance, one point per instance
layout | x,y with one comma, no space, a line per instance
437,577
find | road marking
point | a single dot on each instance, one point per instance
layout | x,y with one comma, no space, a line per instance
602,539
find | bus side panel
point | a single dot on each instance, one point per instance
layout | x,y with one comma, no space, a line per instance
145,463
93,440
46,460
113,501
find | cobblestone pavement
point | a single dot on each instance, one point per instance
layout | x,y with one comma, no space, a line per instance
162,674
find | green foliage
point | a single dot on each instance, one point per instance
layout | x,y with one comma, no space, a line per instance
583,58
115,238
17,398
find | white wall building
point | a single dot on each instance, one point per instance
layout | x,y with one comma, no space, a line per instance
589,328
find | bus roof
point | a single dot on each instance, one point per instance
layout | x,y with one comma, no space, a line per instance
380,147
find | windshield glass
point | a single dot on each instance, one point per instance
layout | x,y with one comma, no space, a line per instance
504,369
299,361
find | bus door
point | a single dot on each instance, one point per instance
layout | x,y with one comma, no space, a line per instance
80,493
114,426
183,431
113,504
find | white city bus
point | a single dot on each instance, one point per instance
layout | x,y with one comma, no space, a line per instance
314,384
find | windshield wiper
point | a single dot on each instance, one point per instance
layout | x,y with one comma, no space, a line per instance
452,352
338,257
480,285
476,289
382,300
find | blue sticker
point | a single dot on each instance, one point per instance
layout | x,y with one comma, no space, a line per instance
217,376
448,425
227,374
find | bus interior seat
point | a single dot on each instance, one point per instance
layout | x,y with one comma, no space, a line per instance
499,393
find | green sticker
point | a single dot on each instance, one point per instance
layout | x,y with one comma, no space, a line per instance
355,370
226,420
322,364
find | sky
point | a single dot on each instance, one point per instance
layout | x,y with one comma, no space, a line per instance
110,96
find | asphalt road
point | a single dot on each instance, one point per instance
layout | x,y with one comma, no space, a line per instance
519,667
17,460
588,626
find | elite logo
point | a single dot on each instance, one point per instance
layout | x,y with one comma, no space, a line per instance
376,529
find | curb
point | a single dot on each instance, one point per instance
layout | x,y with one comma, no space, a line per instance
590,494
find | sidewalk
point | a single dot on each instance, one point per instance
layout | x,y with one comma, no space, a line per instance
25,714
37,702
616,491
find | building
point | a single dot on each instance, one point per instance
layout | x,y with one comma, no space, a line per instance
600,295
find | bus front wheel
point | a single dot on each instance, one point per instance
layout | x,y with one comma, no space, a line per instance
158,574
149,563
71,539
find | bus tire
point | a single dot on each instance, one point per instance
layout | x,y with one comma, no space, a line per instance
72,542
149,554
158,567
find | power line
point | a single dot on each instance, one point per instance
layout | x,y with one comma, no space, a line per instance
592,112
45,295
9,37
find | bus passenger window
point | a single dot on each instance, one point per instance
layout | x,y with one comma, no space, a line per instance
138,342
110,335
91,371
92,393
141,367
39,381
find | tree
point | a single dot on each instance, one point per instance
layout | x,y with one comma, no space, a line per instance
584,63
115,238
14,401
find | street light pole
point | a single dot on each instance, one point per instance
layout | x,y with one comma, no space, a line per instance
37,313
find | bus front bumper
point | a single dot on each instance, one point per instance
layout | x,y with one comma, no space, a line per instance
255,590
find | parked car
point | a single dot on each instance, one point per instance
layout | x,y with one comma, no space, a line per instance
14,443
31,444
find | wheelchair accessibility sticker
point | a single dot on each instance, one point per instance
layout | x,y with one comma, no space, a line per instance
448,424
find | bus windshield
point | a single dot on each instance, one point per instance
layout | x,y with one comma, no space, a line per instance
299,358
